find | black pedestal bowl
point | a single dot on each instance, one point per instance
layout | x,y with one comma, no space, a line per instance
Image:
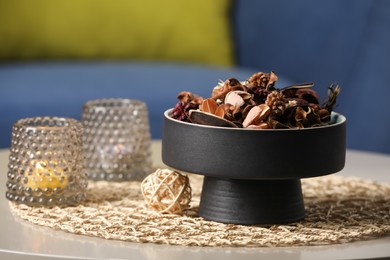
253,176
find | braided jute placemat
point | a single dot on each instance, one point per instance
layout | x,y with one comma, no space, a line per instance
338,210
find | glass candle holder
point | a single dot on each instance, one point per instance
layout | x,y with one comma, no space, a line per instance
117,142
46,162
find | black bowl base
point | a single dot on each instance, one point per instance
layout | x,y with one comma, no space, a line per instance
252,202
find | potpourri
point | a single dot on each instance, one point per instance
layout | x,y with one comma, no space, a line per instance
257,104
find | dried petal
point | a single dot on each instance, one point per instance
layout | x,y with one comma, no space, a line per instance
265,110
234,99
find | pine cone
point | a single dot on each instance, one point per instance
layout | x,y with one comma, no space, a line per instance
277,103
262,80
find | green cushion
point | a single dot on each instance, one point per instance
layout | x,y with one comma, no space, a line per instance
179,30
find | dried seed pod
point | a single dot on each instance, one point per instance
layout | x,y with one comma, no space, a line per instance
210,106
220,112
220,91
234,99
299,86
290,91
204,118
256,115
256,103
307,94
333,92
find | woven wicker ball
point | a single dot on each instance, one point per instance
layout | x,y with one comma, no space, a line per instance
166,191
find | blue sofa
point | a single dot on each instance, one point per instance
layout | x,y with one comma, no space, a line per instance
345,42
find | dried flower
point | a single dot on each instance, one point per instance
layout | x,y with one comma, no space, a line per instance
256,103
187,102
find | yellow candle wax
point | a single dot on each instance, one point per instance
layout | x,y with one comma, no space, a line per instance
46,177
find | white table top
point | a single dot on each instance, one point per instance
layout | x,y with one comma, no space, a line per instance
22,240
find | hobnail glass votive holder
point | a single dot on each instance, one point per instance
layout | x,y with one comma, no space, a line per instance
117,142
46,162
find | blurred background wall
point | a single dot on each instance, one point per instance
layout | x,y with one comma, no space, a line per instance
55,55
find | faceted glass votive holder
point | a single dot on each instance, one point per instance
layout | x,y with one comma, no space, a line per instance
117,142
46,162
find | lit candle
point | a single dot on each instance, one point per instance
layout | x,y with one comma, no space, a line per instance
44,177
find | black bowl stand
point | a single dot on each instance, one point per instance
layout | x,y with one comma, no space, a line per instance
248,202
